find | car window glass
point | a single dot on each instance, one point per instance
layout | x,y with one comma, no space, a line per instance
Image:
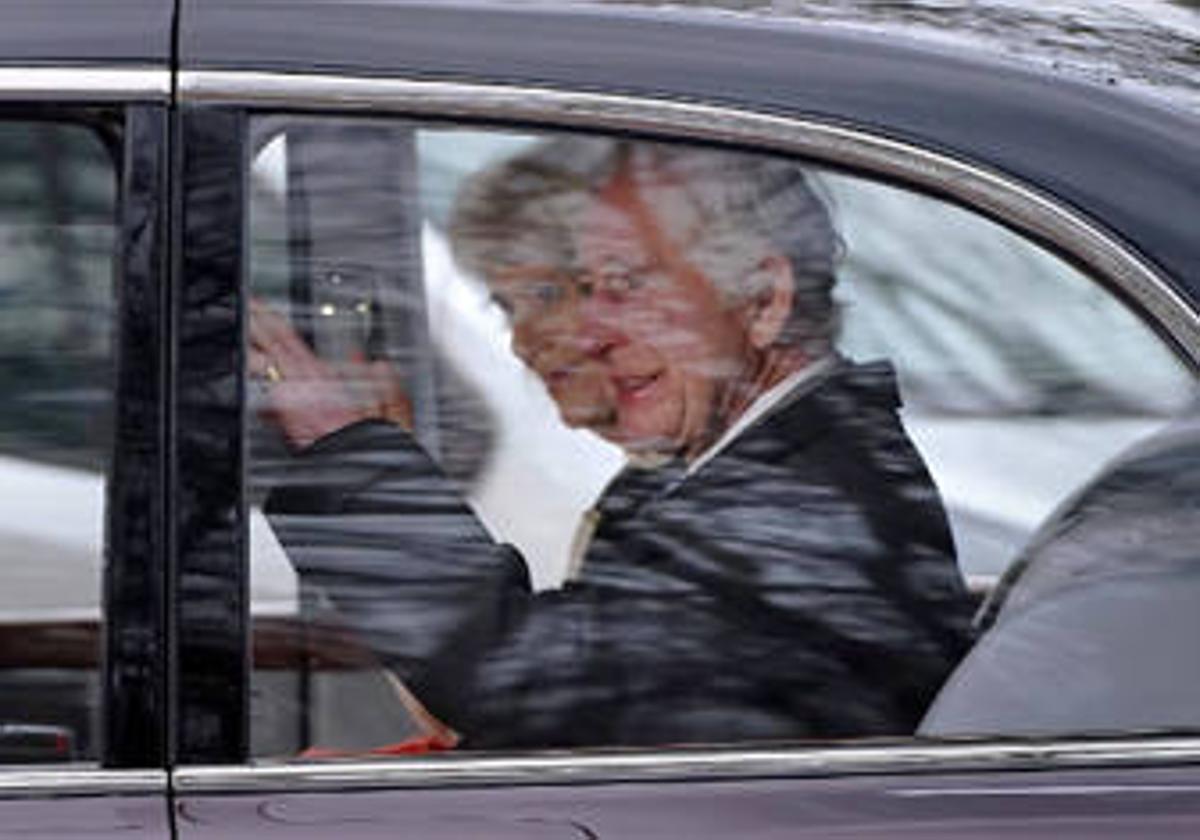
564,440
57,210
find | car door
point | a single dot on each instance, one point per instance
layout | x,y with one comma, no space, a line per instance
1036,294
84,98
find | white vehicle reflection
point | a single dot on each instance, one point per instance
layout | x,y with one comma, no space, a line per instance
52,546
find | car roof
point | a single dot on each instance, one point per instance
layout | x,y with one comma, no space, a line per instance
133,32
1127,163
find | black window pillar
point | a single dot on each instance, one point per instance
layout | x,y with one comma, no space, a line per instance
135,638
208,518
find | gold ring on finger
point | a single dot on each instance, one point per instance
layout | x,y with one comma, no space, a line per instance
273,374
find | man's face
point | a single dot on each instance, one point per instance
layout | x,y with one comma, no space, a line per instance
636,344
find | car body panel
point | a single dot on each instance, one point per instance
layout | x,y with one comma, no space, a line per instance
133,817
1077,804
81,802
109,32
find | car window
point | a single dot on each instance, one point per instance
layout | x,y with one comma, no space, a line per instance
57,212
565,440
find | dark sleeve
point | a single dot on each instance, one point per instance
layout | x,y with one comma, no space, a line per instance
368,518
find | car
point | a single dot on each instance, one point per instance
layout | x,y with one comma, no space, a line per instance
1017,240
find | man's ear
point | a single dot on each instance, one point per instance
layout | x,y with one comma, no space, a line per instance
770,305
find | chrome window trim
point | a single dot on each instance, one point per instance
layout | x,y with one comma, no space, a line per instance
992,192
1024,208
85,84
28,783
564,768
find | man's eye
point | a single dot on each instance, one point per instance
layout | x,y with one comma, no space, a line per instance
547,294
529,299
620,280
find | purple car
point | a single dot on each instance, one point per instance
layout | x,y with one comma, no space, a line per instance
600,420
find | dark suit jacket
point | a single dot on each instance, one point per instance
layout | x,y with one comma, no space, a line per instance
801,584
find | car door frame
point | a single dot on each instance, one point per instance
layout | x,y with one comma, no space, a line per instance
960,166
127,790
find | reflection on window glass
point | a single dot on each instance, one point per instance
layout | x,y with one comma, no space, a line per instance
563,440
57,205
1021,376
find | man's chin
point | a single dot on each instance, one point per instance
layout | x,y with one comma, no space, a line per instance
588,418
637,447
640,449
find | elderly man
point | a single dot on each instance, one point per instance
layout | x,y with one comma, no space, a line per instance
774,562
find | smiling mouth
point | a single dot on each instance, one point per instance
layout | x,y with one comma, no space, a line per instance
634,387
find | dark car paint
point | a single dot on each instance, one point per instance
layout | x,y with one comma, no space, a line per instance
1130,166
1075,805
93,817
56,32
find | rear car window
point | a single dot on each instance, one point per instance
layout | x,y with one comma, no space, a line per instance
57,223
565,440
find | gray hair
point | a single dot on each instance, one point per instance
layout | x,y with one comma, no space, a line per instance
727,210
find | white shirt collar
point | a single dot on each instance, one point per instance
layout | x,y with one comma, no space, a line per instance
790,386
794,384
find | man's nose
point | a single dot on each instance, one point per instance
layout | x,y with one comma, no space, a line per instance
597,323
581,329
582,333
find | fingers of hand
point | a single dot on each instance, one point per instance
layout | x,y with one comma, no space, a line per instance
286,352
257,363
314,394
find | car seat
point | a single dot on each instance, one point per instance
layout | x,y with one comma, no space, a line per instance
1094,628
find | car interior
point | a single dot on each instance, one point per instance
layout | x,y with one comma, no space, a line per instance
1016,398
